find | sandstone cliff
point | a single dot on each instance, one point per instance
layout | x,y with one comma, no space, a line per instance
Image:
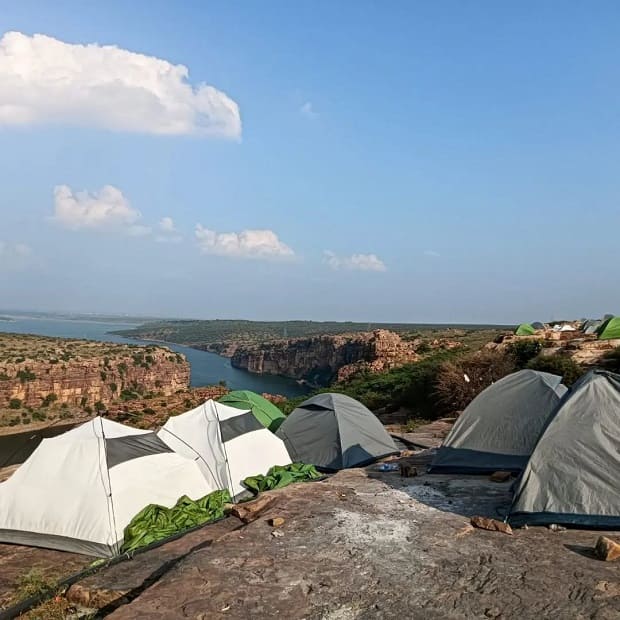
320,360
36,371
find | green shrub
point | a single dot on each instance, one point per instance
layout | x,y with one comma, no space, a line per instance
561,365
83,401
99,406
26,375
611,361
103,375
15,403
423,347
49,399
113,387
149,411
39,415
525,350
4,376
459,381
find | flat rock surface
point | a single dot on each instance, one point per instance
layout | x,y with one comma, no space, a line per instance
374,545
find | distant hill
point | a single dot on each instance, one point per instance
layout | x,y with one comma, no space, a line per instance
204,333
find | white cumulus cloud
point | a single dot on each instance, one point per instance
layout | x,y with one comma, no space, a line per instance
258,244
106,209
14,256
44,80
355,262
432,253
167,231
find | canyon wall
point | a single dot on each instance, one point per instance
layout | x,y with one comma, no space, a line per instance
320,360
36,371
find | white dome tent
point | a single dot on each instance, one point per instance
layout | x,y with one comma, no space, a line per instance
78,491
227,443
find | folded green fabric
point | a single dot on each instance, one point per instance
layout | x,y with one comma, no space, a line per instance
280,476
155,522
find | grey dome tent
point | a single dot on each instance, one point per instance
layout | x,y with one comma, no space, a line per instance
334,431
572,475
498,430
538,325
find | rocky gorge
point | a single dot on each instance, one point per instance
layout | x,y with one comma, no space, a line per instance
321,360
37,371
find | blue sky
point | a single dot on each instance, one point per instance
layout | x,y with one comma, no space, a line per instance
436,162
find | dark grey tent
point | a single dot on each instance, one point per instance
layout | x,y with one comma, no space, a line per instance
334,431
572,475
538,325
499,428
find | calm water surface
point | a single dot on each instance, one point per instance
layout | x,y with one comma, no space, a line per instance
206,368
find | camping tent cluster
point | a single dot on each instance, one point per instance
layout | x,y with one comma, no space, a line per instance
565,443
607,328
79,491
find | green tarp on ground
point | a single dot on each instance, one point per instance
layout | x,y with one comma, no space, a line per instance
155,522
525,329
610,329
280,476
264,411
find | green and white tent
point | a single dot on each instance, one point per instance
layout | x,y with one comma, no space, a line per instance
264,411
525,329
335,431
498,430
572,475
610,329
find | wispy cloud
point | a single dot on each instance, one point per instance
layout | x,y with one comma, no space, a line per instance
355,262
44,80
167,231
106,210
255,244
307,110
432,253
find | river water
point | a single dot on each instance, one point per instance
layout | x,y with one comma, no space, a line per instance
206,368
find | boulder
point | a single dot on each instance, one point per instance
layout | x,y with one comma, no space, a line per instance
500,476
484,523
606,549
250,511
